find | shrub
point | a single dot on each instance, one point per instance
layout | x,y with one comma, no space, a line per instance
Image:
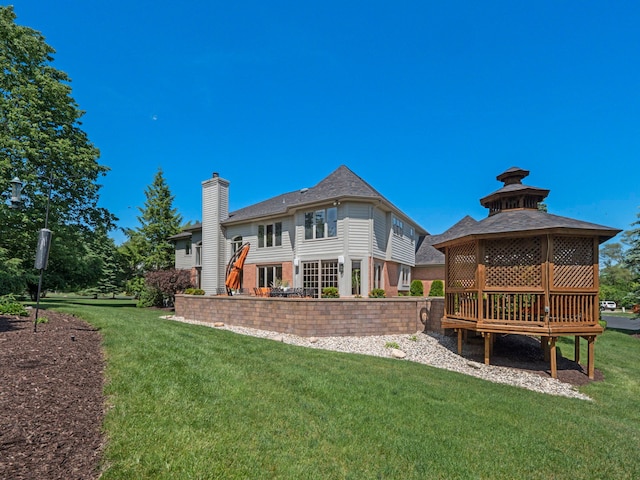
135,287
9,306
168,283
330,292
150,297
437,289
417,289
377,293
194,291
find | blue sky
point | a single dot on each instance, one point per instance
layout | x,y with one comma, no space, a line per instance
427,101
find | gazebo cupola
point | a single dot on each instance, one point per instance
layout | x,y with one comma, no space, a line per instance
514,194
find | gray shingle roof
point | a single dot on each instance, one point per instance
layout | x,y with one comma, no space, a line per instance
186,232
427,254
527,221
340,184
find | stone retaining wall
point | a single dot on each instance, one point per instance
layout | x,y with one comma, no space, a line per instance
317,317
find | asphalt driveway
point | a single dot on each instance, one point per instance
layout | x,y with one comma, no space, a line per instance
621,323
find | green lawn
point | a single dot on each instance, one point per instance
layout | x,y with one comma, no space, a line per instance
191,402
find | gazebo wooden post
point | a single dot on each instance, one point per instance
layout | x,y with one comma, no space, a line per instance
480,282
487,347
591,339
544,344
553,359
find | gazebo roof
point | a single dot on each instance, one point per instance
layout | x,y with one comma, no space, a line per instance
527,221
428,255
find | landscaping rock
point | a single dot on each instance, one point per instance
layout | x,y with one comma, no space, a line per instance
395,353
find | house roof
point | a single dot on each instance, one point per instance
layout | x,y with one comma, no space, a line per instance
427,254
531,221
340,185
186,232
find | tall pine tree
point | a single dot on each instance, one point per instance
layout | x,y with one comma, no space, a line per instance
158,221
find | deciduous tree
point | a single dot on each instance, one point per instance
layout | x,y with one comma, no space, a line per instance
43,144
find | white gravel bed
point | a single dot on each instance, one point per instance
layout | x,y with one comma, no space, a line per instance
430,349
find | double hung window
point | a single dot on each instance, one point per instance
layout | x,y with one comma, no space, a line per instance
270,235
321,223
398,226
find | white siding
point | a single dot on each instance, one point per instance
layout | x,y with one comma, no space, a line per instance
264,255
359,230
184,261
381,229
403,250
215,208
319,248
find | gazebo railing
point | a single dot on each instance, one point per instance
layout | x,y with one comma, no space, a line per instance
523,308
514,307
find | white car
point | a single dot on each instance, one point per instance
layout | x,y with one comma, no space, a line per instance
608,305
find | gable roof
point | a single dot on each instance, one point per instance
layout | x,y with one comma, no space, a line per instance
186,232
427,254
340,185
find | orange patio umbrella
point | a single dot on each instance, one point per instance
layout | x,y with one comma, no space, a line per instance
237,263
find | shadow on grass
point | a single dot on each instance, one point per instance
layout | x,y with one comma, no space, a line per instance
85,301
625,331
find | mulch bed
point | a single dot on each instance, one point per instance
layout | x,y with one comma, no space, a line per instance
51,398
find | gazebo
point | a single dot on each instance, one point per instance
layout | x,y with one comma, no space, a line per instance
523,271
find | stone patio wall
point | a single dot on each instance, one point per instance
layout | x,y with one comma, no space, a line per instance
309,317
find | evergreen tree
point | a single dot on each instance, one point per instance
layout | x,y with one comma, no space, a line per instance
632,258
112,269
149,245
437,289
41,143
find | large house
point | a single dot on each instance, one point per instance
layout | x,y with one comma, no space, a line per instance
340,233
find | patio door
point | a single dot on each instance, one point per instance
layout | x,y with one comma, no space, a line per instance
319,274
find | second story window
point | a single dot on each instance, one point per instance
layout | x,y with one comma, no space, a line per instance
187,248
321,223
270,235
236,243
398,226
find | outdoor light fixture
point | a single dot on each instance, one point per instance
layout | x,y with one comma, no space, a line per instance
341,264
16,193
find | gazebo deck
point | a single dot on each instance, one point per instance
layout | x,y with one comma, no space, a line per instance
522,313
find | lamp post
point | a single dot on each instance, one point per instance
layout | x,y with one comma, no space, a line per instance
42,253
